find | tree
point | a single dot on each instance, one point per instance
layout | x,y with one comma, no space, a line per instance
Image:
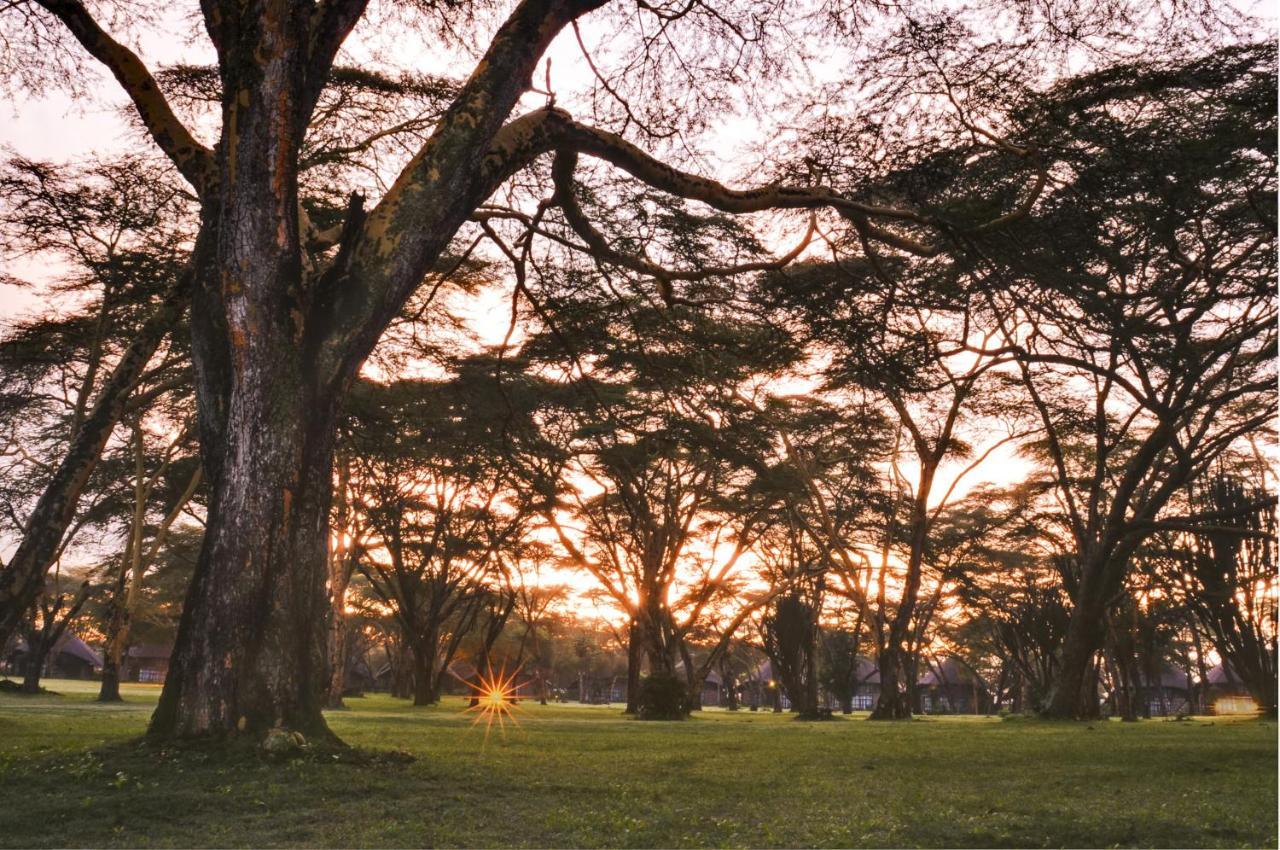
139,554
1145,280
1222,568
71,378
789,631
53,612
431,483
663,457
284,315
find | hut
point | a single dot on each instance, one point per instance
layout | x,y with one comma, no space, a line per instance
1166,694
70,658
1224,693
147,663
952,687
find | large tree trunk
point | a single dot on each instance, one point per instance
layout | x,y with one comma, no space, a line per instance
114,649
897,688
894,702
251,648
339,579
424,680
33,667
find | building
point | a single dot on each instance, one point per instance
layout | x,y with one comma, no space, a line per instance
1224,693
70,658
952,687
147,663
1168,695
866,690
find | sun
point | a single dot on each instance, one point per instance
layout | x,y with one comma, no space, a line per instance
495,696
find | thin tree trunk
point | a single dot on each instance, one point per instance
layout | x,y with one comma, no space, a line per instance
22,578
635,656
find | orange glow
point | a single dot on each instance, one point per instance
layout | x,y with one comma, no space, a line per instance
1235,705
495,696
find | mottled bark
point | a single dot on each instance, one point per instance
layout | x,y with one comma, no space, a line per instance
339,581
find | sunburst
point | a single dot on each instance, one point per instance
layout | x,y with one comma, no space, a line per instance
495,695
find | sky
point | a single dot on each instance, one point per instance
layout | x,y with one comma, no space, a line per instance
57,127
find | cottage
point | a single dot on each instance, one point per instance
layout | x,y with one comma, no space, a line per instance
866,690
1224,693
1168,693
147,663
70,658
952,687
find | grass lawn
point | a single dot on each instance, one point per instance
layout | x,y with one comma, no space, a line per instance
72,775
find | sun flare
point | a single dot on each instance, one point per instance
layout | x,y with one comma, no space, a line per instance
494,700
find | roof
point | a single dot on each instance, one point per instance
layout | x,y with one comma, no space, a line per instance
1221,674
867,671
1171,677
71,645
949,671
151,650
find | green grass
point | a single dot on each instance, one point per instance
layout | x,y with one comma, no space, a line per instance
583,776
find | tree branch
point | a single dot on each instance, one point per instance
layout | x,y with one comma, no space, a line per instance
194,161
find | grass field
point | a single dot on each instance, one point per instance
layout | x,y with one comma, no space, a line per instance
72,774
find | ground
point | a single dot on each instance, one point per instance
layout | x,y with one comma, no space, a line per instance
73,774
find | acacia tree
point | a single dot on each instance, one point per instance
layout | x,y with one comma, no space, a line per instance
151,470
430,482
1222,567
896,339
1145,281
284,315
71,376
664,456
1016,609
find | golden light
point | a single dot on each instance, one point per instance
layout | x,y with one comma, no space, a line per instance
494,700
1235,705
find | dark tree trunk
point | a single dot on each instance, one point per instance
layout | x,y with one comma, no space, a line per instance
897,688
33,666
251,647
337,660
894,702
424,680
113,650
1073,694
338,581
635,656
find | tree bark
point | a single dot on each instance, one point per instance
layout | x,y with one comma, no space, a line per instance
424,680
1078,650
1072,695
337,640
113,651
